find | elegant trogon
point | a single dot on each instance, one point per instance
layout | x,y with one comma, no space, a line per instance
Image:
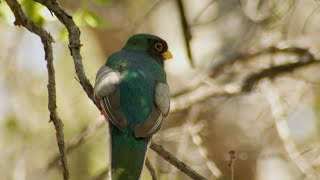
133,92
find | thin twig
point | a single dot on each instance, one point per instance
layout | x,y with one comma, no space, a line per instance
138,21
305,24
231,162
77,141
193,130
151,169
206,7
176,162
47,41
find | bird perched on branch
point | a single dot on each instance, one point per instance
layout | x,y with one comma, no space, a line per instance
132,90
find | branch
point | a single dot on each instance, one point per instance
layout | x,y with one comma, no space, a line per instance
77,141
206,7
224,63
279,115
176,162
151,169
140,20
251,80
202,93
186,31
47,41
74,45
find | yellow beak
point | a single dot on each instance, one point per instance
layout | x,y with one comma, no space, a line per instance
167,55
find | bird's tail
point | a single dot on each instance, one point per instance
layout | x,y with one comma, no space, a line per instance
127,156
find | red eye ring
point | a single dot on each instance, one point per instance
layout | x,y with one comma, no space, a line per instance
158,46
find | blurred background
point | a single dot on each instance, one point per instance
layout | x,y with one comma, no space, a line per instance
244,81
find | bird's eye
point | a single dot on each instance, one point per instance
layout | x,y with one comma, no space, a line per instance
158,46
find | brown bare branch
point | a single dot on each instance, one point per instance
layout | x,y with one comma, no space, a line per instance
251,80
221,65
46,39
176,162
74,44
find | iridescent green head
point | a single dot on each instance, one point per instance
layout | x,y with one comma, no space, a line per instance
147,43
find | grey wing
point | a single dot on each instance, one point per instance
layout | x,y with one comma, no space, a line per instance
106,91
160,111
162,98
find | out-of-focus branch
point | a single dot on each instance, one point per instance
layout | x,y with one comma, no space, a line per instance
74,44
47,41
251,80
219,67
140,20
193,131
201,94
77,141
231,163
198,16
279,114
176,162
186,31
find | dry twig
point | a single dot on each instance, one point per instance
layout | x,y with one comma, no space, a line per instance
231,162
77,141
176,162
151,169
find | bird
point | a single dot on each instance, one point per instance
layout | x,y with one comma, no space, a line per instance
132,90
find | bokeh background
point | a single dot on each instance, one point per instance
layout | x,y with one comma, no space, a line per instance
244,84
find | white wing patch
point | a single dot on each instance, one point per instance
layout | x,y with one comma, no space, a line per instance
162,98
107,81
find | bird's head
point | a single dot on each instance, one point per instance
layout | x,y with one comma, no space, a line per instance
147,43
